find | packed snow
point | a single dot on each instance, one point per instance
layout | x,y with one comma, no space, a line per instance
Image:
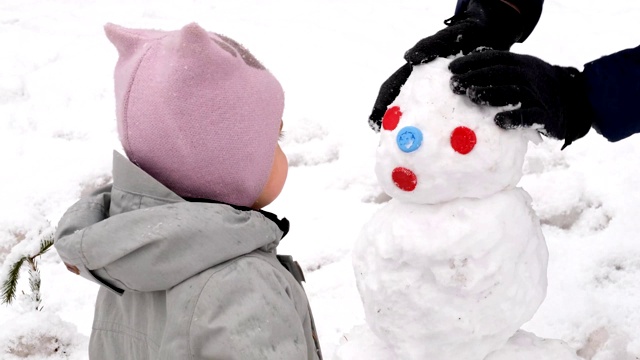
58,131
453,280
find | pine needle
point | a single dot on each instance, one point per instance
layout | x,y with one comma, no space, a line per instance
10,285
45,244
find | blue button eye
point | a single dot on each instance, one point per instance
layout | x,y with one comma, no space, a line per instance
409,139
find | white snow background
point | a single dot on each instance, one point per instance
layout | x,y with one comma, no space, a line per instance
57,132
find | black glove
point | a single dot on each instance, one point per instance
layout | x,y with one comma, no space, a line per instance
490,23
487,23
553,97
388,92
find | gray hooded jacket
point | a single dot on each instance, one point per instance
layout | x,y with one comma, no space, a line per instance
182,280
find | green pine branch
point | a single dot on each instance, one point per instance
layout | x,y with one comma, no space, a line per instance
9,287
34,282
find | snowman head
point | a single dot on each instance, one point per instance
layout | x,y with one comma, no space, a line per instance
436,146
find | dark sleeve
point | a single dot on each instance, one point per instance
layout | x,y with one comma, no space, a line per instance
613,88
530,10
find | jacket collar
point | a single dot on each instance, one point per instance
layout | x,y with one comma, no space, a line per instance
130,178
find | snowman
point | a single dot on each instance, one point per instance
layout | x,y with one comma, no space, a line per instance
455,263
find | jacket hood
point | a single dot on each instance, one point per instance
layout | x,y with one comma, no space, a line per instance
137,235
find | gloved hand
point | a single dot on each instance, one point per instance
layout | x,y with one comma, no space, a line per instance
490,23
553,98
388,92
487,23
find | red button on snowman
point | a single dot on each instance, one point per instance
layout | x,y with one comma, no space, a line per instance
455,263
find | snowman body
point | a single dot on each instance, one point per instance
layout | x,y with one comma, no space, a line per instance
456,262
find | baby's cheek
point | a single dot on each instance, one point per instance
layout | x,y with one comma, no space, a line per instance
282,168
276,180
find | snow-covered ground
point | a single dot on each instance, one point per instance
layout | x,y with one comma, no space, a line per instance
57,132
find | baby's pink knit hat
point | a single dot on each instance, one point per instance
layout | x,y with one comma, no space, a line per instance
196,111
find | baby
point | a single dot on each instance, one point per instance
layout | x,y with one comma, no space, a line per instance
185,258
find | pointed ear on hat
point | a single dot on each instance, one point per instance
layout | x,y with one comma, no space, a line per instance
203,51
195,39
125,40
194,31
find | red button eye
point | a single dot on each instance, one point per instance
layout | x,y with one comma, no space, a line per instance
463,140
391,118
404,179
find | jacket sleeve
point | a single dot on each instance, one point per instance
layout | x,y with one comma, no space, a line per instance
249,311
85,213
530,10
613,89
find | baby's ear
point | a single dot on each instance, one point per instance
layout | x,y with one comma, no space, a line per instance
125,40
